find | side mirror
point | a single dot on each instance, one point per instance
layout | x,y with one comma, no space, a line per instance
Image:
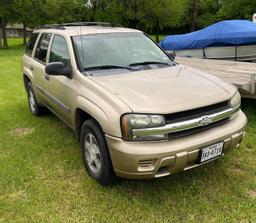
172,55
58,69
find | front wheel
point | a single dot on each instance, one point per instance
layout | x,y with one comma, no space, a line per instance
95,153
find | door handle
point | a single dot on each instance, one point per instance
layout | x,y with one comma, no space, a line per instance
31,68
46,77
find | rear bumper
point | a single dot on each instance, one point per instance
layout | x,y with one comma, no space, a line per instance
144,160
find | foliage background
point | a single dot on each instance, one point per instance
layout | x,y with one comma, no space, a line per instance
153,16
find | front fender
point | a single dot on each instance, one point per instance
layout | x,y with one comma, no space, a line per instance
108,118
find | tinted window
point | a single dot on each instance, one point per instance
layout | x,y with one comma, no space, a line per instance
59,51
41,50
31,43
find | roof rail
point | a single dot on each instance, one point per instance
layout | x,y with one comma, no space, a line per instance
63,25
104,24
50,26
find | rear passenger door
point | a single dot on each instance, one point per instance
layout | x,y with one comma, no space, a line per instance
28,61
38,66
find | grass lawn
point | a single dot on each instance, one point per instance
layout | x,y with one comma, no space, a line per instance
42,177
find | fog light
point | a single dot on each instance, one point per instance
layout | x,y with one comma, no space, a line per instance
146,165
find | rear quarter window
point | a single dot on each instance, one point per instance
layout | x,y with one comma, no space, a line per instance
31,43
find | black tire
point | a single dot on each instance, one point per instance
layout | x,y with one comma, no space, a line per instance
35,109
104,174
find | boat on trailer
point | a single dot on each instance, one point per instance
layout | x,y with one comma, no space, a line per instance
227,40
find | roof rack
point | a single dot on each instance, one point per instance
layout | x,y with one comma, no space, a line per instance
63,25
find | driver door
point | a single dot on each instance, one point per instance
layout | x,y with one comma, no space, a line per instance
60,88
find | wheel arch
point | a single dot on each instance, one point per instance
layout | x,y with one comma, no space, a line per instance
26,80
80,117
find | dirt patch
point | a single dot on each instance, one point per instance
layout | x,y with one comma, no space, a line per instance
22,131
251,194
249,146
236,171
134,192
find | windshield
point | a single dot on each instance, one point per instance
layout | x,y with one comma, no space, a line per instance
118,50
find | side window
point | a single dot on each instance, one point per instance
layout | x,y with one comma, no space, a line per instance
59,51
31,43
41,49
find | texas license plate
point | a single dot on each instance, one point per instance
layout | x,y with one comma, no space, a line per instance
211,152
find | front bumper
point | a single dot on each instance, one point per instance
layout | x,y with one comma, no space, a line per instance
144,160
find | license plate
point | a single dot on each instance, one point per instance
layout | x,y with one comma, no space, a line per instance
211,152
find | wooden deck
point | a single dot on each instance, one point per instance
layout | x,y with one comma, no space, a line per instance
241,74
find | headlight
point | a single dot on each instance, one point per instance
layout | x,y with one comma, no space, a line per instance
139,121
235,100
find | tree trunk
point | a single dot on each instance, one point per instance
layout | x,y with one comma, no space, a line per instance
4,34
194,16
94,11
1,45
157,31
24,34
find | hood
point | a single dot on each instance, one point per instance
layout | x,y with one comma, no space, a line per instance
166,90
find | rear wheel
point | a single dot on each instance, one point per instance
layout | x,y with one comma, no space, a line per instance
95,153
34,107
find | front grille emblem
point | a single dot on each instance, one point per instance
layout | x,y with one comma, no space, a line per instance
205,120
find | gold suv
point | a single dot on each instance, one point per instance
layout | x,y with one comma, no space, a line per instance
136,113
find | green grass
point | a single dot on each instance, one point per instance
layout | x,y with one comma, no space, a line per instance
42,178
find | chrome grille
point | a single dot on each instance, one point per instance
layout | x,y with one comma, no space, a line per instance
195,113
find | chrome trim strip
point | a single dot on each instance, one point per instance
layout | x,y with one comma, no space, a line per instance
53,99
189,124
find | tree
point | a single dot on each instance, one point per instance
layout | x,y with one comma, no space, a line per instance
208,12
6,15
130,12
26,11
1,45
29,13
194,15
162,13
97,9
239,9
201,13
64,11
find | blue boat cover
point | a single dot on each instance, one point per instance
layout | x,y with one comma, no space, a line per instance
228,32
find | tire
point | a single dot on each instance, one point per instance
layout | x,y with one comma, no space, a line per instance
34,107
95,153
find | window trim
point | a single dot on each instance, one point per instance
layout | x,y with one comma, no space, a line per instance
77,61
50,48
40,61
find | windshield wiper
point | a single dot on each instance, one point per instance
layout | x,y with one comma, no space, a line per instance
106,67
149,62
